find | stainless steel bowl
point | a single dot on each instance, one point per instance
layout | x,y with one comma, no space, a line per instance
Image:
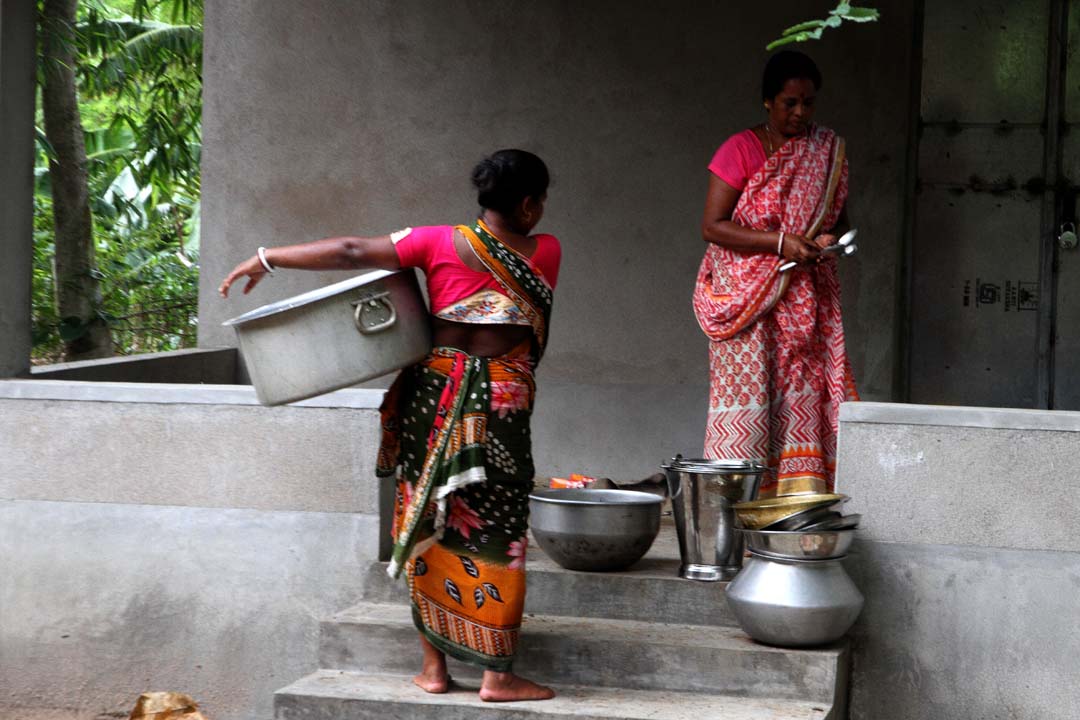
595,530
758,514
810,516
840,522
800,545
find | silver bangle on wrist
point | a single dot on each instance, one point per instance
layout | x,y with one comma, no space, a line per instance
779,245
265,263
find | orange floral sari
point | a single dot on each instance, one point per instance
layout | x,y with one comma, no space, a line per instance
456,434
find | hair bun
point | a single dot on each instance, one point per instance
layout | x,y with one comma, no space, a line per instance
505,178
485,175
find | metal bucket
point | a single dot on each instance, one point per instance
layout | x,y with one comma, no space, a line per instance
335,336
702,493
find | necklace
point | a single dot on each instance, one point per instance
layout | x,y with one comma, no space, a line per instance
768,136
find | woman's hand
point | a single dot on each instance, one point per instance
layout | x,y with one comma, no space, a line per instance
824,240
799,249
250,268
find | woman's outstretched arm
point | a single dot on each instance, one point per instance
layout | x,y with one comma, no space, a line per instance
336,253
718,227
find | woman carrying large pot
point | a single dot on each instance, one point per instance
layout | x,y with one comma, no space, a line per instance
456,426
778,367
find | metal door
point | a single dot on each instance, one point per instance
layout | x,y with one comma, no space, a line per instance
1065,389
995,318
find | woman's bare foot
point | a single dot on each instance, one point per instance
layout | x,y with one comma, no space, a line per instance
434,682
433,677
508,687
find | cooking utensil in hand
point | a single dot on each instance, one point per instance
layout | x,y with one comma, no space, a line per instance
842,247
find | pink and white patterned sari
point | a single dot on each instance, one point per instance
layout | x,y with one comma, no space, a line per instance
778,367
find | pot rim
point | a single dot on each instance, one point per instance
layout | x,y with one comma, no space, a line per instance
706,466
796,532
309,297
809,501
789,560
579,496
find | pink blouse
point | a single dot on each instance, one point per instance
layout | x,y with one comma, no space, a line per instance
738,159
450,281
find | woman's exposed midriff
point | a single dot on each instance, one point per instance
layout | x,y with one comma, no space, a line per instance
479,340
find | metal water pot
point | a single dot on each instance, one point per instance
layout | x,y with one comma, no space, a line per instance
794,603
702,494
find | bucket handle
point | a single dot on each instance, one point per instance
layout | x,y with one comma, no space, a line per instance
372,301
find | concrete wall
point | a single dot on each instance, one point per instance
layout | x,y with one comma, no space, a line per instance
968,559
165,537
328,118
16,182
215,367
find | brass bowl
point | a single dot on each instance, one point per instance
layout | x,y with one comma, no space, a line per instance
756,514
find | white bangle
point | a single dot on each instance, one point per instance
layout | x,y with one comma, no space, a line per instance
265,263
779,245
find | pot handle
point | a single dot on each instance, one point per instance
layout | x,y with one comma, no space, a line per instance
371,301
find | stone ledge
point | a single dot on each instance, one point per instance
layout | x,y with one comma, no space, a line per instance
994,487
173,394
957,416
200,455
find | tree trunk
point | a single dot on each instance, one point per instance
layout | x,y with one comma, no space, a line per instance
77,290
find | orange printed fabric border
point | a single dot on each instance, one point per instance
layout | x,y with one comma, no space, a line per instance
468,607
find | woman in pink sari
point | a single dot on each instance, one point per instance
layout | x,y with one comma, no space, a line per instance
778,367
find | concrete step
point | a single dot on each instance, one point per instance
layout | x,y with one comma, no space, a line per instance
650,590
381,638
336,695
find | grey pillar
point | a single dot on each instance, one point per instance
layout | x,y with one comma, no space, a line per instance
16,182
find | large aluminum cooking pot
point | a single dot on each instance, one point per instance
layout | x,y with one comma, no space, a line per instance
333,337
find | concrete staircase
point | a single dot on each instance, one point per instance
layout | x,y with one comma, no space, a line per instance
636,644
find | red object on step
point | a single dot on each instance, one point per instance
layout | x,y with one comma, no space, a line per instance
576,480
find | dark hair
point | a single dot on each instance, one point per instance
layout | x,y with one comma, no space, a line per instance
505,178
788,65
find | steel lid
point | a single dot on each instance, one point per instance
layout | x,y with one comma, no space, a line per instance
310,297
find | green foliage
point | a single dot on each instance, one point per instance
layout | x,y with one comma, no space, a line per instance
149,288
812,29
139,67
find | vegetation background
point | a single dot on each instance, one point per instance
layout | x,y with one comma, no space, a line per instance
130,286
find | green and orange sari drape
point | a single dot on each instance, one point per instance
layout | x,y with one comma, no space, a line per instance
456,433
779,368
